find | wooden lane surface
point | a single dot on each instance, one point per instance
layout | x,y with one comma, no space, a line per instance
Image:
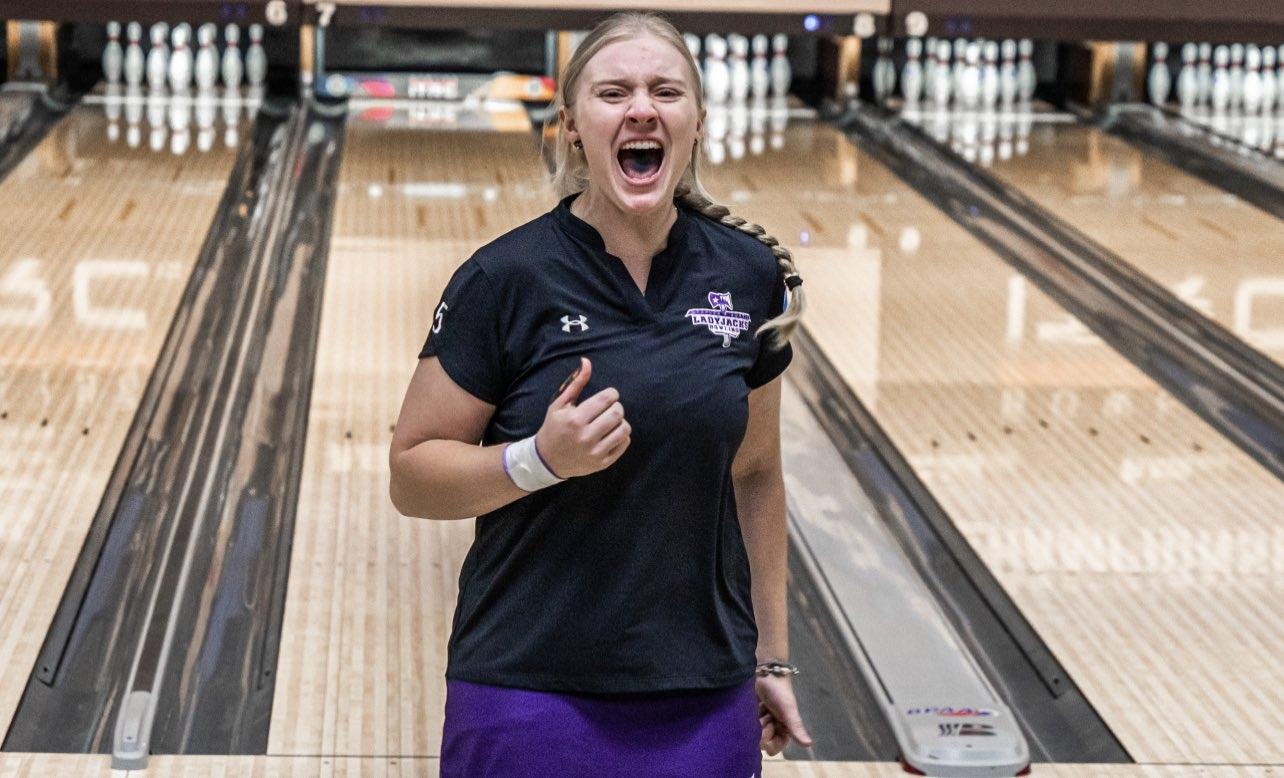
1218,253
78,766
98,243
1144,548
710,6
371,593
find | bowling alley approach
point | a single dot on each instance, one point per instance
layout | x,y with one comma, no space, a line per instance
578,388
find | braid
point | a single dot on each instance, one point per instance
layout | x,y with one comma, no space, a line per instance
788,320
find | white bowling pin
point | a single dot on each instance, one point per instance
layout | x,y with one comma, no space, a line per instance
1008,73
1187,78
1159,81
929,69
944,77
693,45
884,70
760,69
970,86
180,60
1268,79
1252,95
956,70
1221,88
912,73
990,75
233,68
1205,74
738,63
158,57
1236,74
135,63
717,74
782,74
1027,79
1279,77
256,58
206,69
113,54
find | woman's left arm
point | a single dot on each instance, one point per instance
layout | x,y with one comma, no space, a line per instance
760,499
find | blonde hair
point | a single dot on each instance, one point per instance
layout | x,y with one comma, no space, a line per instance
570,170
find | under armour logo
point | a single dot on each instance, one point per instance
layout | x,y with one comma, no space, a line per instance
581,322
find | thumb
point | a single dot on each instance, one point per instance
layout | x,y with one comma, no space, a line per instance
794,722
574,384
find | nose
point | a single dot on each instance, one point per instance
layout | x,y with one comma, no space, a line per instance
641,108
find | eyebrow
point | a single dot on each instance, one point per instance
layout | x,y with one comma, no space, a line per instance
626,82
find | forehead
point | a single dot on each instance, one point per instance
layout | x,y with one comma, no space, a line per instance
641,57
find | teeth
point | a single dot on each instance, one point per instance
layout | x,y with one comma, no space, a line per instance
641,144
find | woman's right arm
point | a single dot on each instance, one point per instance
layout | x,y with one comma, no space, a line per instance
437,470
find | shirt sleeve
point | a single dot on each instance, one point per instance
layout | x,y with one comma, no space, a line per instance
464,334
771,362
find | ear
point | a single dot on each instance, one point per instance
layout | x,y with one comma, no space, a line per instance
568,124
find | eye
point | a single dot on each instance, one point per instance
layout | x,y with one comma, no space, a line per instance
612,93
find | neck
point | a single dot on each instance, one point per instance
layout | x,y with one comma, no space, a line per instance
626,235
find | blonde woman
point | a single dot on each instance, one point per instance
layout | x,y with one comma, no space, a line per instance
622,608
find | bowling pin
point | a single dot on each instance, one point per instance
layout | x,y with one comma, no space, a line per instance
990,75
944,78
1027,79
1268,79
135,63
929,70
1008,73
206,68
693,45
113,54
781,74
1159,81
1236,74
158,57
256,57
1187,78
180,60
760,70
912,73
1221,79
233,68
884,70
717,73
956,71
1252,96
970,85
1205,74
738,64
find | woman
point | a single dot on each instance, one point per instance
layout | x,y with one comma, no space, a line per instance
606,622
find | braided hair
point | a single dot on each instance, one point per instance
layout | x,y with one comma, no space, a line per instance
570,170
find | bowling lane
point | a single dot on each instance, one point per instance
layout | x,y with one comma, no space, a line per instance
1145,549
372,593
99,240
1219,254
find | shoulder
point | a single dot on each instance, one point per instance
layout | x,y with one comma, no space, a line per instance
732,245
507,259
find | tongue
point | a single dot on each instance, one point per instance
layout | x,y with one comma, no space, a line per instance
640,164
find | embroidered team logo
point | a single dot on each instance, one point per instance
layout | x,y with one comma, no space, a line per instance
719,318
568,322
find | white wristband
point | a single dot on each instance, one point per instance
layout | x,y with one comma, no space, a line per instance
526,467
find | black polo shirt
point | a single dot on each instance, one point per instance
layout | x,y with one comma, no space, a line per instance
633,578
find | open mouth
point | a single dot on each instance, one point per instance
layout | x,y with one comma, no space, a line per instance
640,161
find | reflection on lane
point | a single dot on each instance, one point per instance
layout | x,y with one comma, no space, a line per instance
99,241
1215,252
1144,548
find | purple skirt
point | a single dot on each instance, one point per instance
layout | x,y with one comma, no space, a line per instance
505,732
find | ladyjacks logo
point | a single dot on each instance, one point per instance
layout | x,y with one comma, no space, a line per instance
719,318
